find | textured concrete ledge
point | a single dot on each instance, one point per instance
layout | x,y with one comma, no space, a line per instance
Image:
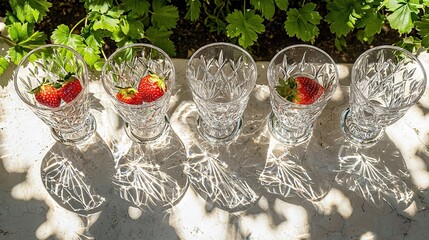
31,210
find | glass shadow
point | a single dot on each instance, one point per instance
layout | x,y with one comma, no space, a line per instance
226,174
150,176
377,174
295,171
77,176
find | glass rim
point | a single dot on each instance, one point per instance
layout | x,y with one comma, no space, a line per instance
326,97
139,45
61,107
215,44
395,48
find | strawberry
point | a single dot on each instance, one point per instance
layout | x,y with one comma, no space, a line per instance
300,90
129,95
151,87
47,95
70,88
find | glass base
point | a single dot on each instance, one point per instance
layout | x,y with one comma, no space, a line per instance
218,135
147,135
285,135
77,136
357,135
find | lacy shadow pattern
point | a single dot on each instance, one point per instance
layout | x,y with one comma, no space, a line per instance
226,174
150,176
289,172
77,176
378,180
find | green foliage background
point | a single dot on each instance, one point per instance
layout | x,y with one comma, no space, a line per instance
129,21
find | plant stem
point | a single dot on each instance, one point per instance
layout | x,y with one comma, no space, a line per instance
7,40
77,24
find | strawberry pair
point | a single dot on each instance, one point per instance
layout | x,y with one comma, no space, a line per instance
50,94
150,88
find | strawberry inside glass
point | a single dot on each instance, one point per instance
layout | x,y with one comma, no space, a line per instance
300,89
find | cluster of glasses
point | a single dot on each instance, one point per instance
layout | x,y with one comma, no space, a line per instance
386,81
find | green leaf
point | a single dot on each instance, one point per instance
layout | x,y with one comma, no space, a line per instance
403,12
10,18
90,55
245,26
194,9
266,7
101,6
133,28
62,35
137,8
4,64
422,27
342,16
108,21
31,11
373,22
282,4
23,35
164,15
160,37
16,53
303,22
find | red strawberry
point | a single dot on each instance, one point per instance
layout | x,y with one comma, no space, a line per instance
47,95
301,90
151,87
129,95
70,88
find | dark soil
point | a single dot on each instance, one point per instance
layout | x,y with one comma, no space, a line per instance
189,36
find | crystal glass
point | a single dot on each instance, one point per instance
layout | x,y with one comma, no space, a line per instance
289,122
221,77
124,68
386,82
70,122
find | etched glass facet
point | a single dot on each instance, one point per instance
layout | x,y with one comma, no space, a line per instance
289,122
70,122
221,77
125,68
386,81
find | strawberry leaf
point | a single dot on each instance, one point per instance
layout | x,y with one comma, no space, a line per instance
131,27
422,27
164,15
62,35
245,25
403,13
282,4
137,8
25,39
106,21
101,6
31,11
194,9
373,22
266,7
4,64
342,16
160,37
303,22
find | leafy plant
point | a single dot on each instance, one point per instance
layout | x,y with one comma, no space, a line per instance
123,22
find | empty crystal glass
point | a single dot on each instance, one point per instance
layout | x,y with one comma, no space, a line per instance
125,68
221,77
70,120
289,122
386,82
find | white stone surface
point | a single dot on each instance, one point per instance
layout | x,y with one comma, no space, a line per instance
29,211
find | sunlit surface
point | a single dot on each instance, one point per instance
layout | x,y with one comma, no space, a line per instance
324,189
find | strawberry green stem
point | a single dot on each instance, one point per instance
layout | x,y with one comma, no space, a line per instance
77,24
